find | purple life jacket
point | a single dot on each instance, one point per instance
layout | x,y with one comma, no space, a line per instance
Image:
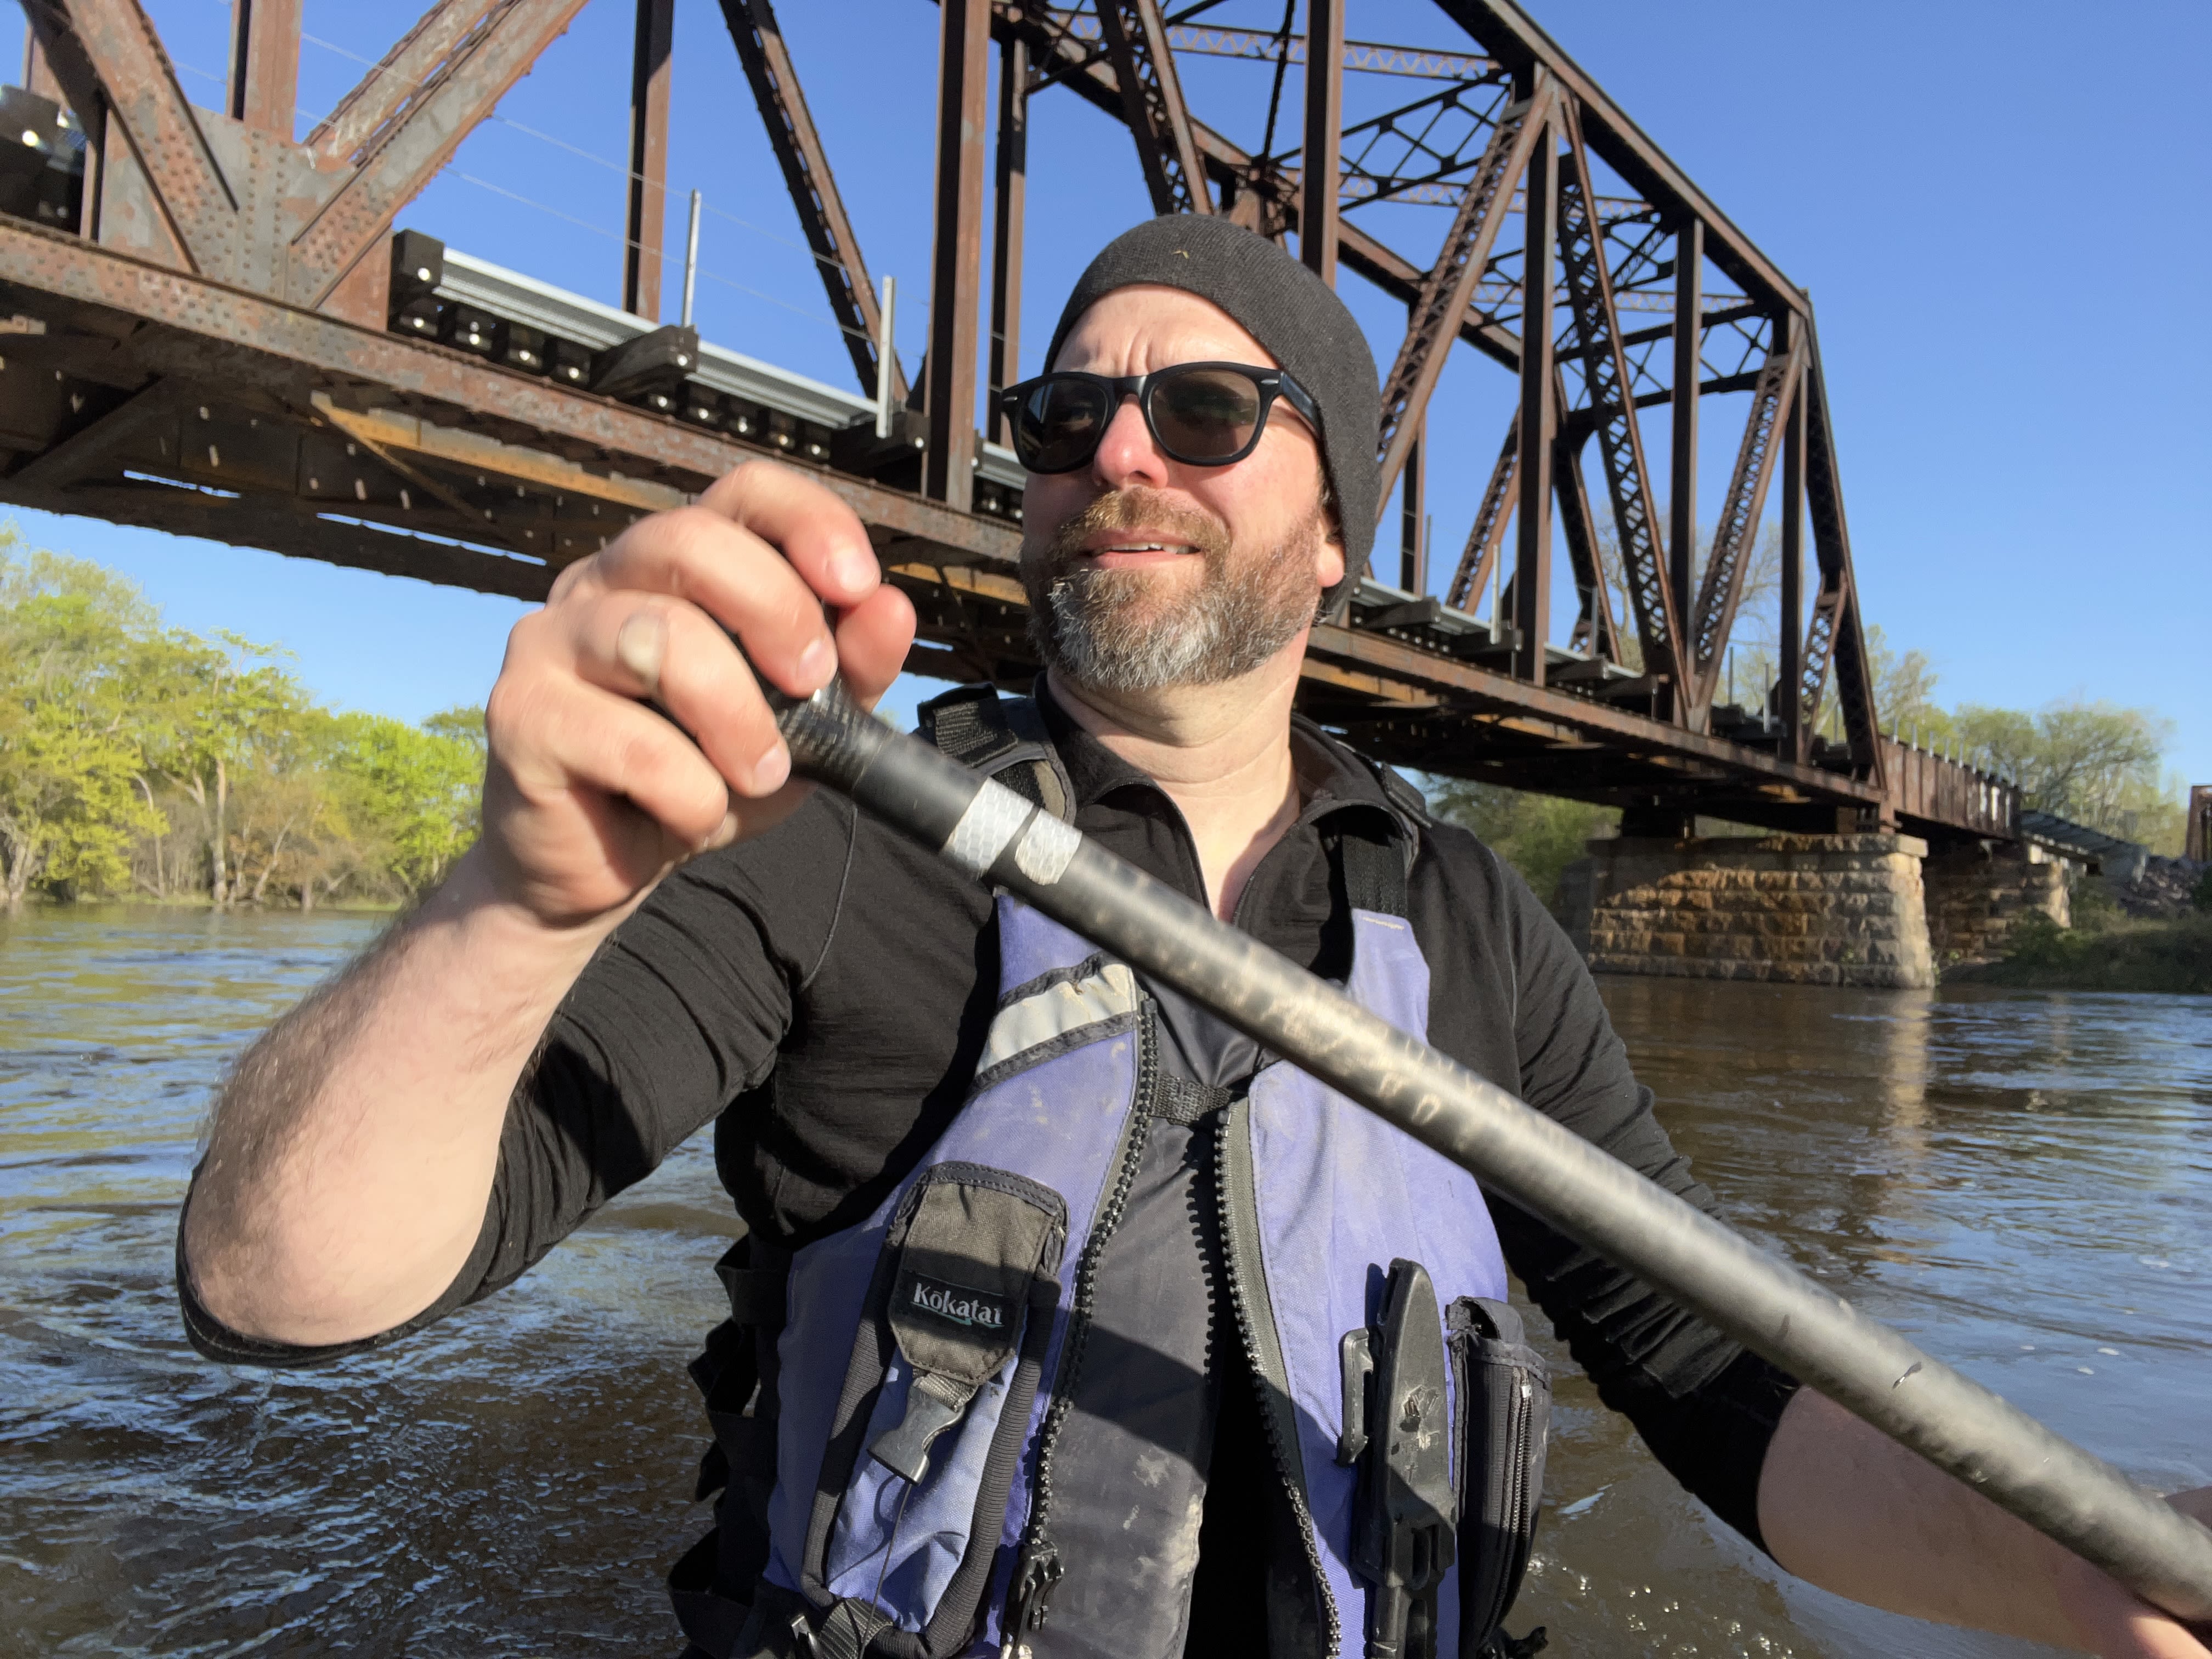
929,1353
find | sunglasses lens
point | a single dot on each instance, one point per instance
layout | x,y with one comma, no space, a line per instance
1205,414
1058,424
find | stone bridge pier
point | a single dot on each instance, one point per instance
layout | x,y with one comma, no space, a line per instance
1868,909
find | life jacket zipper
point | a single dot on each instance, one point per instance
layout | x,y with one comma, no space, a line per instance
1248,1296
1037,1566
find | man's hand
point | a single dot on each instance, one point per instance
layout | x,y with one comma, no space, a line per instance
353,1153
590,796
2115,1623
1845,1507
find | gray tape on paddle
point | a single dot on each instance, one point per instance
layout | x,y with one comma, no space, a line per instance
990,822
998,818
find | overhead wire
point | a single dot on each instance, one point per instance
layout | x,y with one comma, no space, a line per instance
627,174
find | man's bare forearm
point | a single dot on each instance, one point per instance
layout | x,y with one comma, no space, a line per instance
1846,1508
353,1152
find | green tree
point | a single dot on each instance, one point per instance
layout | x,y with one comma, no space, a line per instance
69,810
419,786
212,707
1537,835
2094,763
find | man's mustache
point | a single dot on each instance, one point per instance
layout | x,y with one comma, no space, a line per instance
1136,509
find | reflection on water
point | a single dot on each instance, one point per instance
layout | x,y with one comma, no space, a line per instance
2011,1177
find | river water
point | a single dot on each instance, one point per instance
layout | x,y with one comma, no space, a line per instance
2019,1180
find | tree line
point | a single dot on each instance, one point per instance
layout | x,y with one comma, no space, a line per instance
142,759
139,759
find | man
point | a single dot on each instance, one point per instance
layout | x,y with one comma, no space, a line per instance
657,930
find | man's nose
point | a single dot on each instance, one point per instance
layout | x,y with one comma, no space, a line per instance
1127,454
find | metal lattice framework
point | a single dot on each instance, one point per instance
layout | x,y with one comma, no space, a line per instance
216,330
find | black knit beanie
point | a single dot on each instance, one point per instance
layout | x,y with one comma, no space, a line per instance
1287,309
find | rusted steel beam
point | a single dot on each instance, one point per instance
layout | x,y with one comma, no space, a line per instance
1511,36
1688,342
39,78
813,187
1449,288
1136,39
1010,195
1594,630
1488,534
1735,534
1320,155
1620,439
404,434
1413,511
1786,700
340,139
1468,688
265,63
90,447
646,207
956,263
188,212
1531,562
1836,610
396,161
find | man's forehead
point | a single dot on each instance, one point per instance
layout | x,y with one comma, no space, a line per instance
1158,325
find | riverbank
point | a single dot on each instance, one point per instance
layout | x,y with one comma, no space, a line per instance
2171,958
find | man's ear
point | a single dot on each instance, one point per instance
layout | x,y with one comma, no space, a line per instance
1328,557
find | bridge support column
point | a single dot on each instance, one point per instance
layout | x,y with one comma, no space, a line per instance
1802,909
1979,897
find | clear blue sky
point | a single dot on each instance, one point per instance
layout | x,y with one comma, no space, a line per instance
2007,251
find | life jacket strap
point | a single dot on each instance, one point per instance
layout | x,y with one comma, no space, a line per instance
1002,737
1186,1103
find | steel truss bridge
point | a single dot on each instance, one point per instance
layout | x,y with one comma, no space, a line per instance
214,330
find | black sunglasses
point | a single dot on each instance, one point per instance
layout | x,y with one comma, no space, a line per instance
1200,414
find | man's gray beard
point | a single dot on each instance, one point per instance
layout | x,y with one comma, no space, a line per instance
1093,625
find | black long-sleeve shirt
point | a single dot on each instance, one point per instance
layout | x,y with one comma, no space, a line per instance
819,996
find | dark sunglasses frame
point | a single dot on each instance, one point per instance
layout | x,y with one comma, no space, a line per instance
1271,383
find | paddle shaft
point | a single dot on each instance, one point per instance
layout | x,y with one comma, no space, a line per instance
1872,1371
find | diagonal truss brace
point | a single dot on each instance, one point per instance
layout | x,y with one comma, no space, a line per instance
1722,587
1612,409
1449,288
1833,632
813,187
1488,536
437,110
1594,631
115,42
1136,38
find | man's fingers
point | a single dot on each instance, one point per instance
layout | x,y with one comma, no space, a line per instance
695,554
822,536
873,639
645,645
606,743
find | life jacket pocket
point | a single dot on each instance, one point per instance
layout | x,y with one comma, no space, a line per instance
912,1500
1503,1407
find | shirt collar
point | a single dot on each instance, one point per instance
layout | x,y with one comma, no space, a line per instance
1331,778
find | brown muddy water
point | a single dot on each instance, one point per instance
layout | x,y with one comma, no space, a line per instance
2019,1179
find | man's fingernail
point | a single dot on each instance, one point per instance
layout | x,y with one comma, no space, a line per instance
855,568
818,661
721,835
772,769
641,646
